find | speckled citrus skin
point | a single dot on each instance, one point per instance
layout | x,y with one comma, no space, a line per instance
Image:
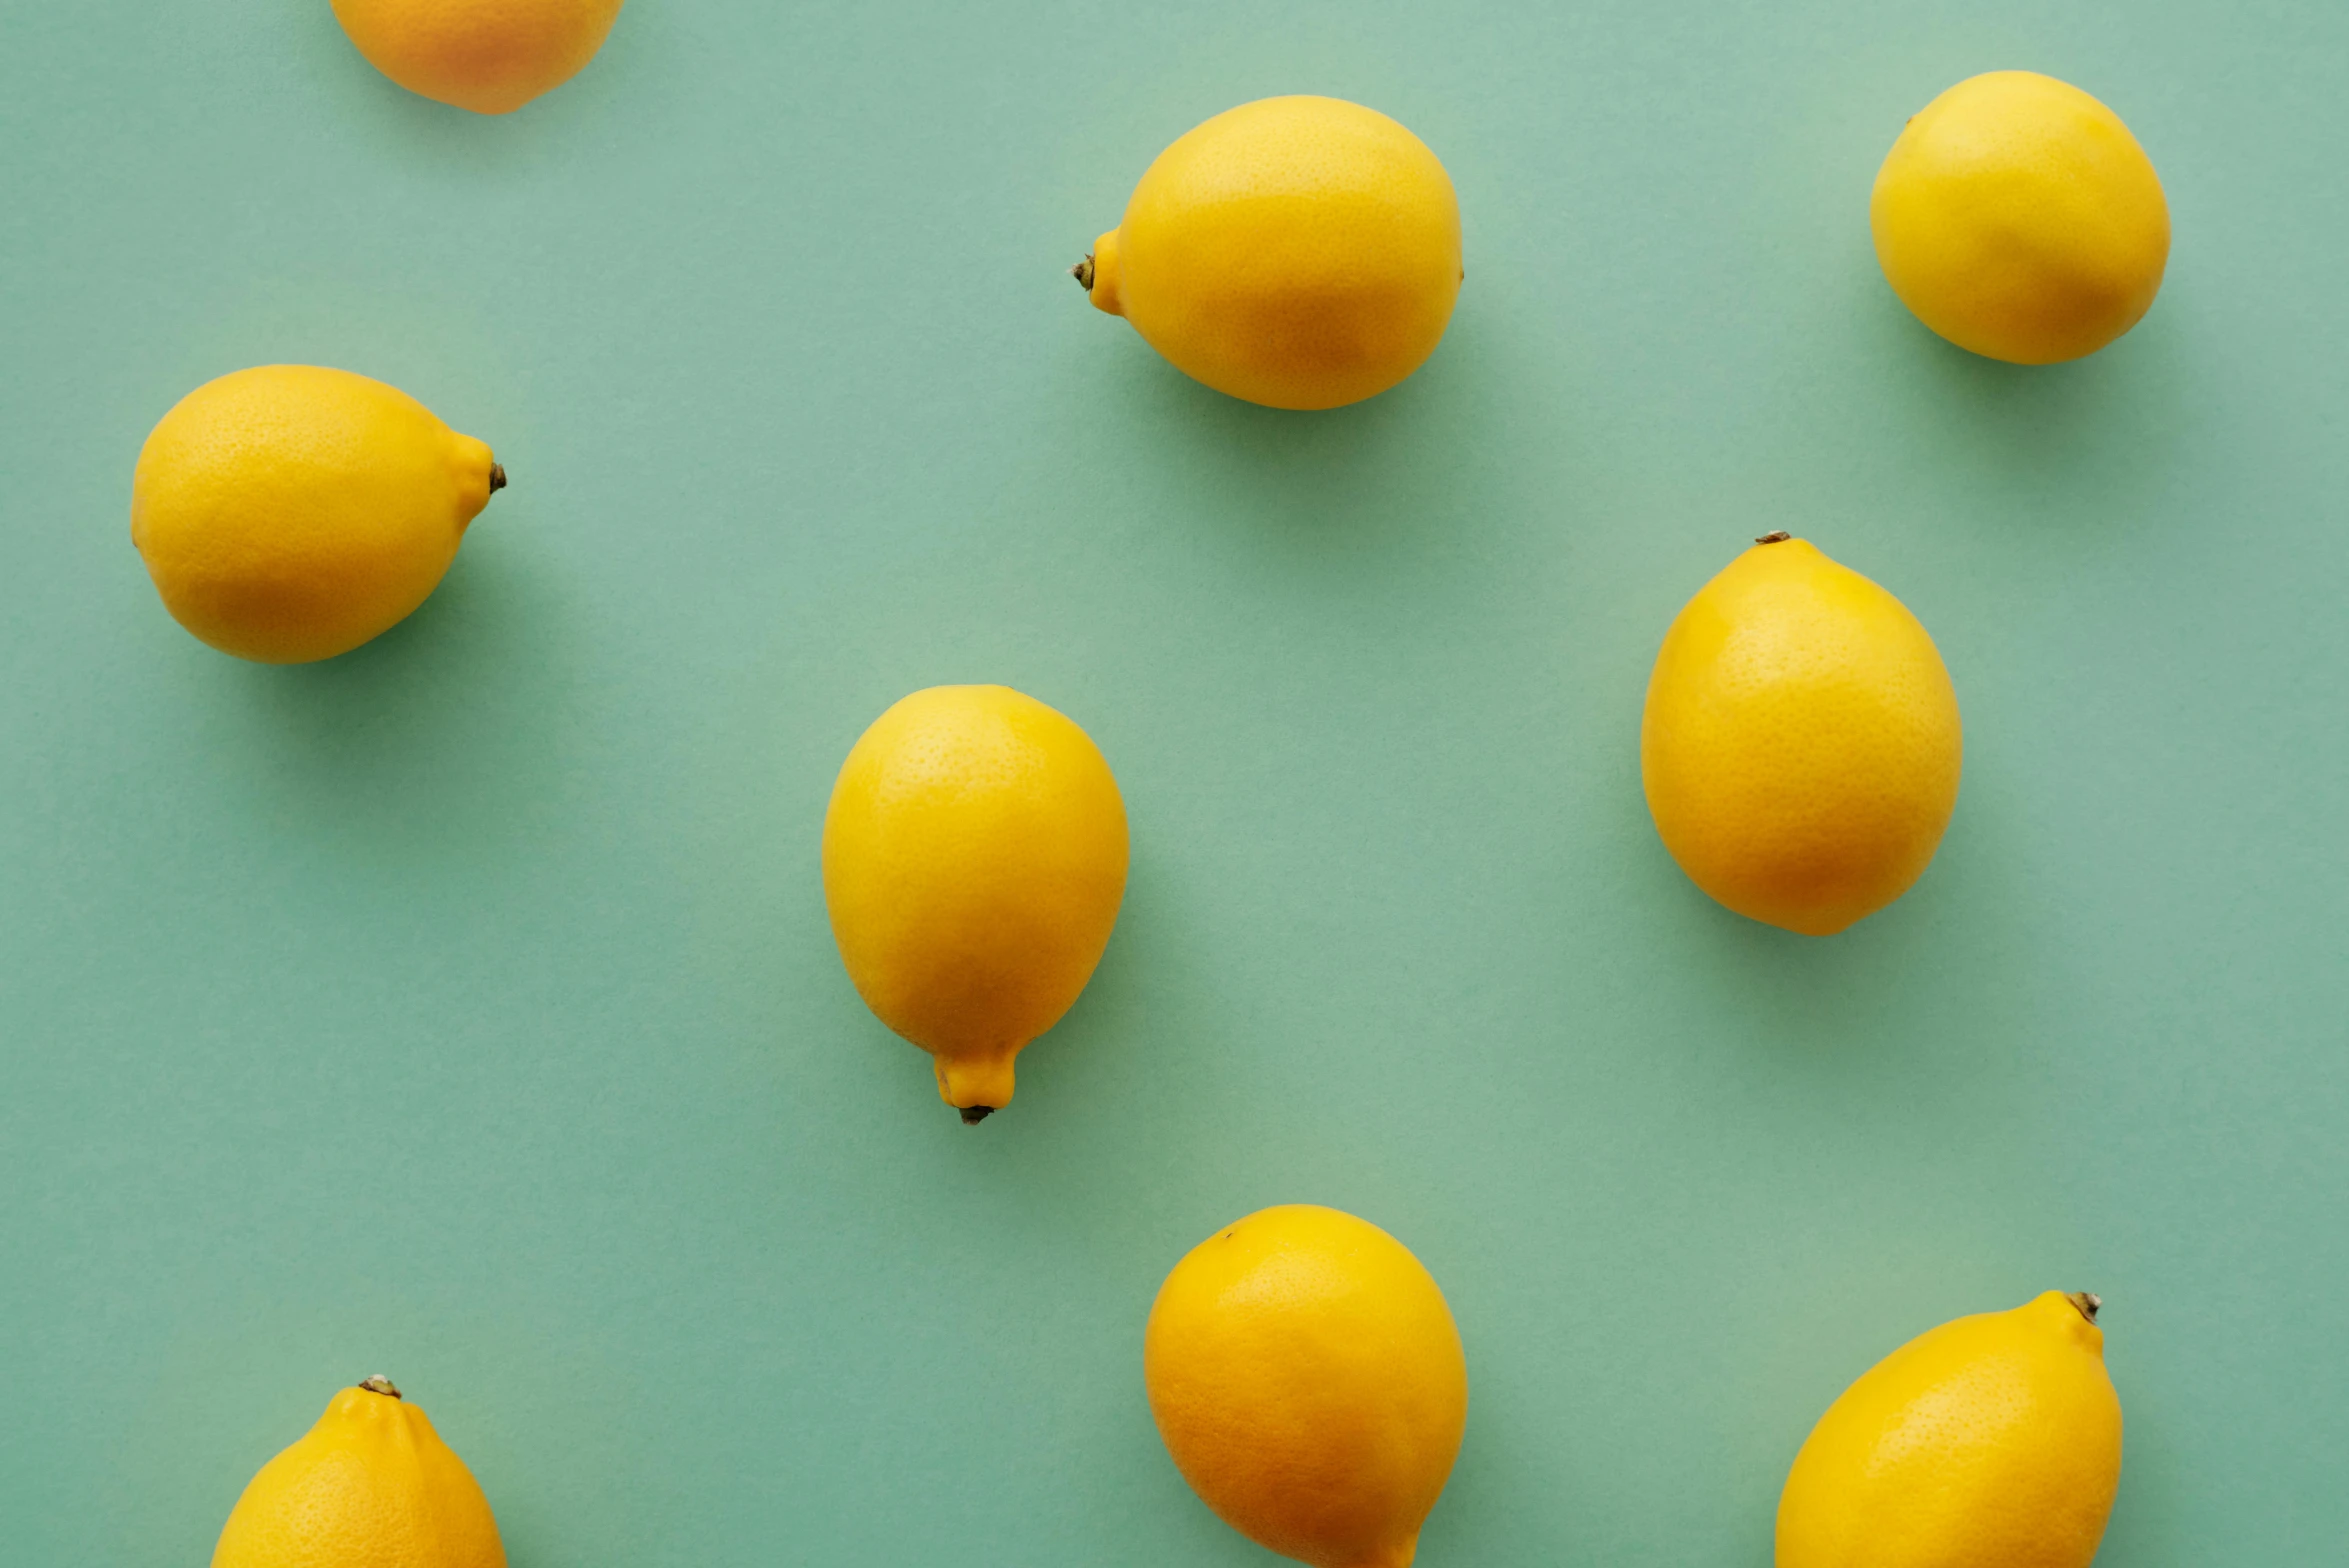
370,1486
1308,1379
2018,218
974,860
490,56
290,513
1300,252
1990,1442
1801,746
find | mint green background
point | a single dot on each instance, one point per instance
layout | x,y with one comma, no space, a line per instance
464,1008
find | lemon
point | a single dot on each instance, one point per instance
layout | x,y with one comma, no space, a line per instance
1308,1380
974,860
2018,218
490,56
1990,1442
1801,746
1300,252
370,1486
290,513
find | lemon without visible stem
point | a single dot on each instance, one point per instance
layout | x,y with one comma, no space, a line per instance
490,56
1307,1377
1800,747
2018,218
1990,1442
370,1486
290,513
1301,252
974,860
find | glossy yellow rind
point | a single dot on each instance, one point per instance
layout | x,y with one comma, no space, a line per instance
1300,252
1307,1377
1800,747
1990,1442
2018,217
974,859
370,1486
290,513
490,56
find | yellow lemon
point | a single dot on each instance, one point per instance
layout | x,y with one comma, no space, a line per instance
1301,252
2018,218
1800,746
290,513
370,1486
489,56
974,860
1990,1442
1308,1380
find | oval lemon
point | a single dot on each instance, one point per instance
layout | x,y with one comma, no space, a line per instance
1299,252
490,56
2017,217
290,513
370,1486
1307,1377
1990,1442
974,859
1800,747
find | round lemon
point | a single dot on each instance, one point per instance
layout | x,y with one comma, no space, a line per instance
370,1486
974,860
2018,218
1307,1377
1299,252
1990,1442
490,56
1800,748
290,513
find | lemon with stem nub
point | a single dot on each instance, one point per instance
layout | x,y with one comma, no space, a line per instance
370,1486
1300,252
1994,1440
974,860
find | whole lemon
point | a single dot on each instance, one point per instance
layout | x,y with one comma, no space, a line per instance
974,860
2018,218
370,1486
1800,747
490,56
1300,252
290,513
1308,1380
1990,1442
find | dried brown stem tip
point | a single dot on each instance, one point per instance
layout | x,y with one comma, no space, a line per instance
2087,1301
1779,537
972,1115
497,477
1083,273
379,1384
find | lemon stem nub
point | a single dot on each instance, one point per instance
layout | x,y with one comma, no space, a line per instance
497,477
1083,273
379,1384
1779,536
2088,1302
972,1115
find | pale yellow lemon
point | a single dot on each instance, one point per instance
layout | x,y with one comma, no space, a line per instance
1308,1379
1800,746
290,513
1301,252
490,56
2018,218
974,859
1990,1442
370,1486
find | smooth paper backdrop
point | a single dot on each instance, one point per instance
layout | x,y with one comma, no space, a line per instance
464,1009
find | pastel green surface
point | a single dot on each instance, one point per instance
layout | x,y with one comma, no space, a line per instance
464,1008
